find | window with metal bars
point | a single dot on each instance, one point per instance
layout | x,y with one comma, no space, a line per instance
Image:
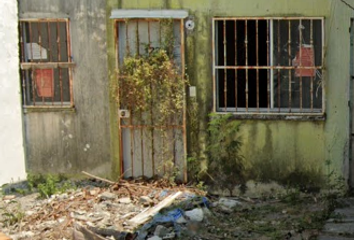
268,65
46,63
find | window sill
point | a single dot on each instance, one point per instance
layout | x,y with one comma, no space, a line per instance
278,116
35,109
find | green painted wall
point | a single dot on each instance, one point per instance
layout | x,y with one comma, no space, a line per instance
275,149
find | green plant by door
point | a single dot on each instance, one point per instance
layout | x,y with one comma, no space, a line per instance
226,164
152,78
152,87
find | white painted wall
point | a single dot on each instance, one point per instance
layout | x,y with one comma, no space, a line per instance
12,163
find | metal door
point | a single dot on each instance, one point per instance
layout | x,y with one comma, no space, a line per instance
150,147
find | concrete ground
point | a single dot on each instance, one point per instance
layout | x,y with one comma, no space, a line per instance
341,224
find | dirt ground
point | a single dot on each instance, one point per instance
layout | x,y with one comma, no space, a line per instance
107,210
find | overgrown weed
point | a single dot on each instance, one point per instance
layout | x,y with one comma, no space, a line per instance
12,215
226,164
45,184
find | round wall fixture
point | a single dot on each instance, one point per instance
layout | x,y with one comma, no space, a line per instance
190,24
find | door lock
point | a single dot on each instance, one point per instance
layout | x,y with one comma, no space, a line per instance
123,113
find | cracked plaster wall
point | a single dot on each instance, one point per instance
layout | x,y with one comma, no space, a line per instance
274,149
69,142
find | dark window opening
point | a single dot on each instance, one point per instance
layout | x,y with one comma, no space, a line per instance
235,36
268,65
45,63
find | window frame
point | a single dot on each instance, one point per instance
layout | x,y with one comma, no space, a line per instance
29,103
275,111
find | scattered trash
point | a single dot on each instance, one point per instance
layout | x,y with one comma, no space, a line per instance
141,210
146,215
229,203
101,211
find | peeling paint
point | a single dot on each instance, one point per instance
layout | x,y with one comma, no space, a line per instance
278,148
56,141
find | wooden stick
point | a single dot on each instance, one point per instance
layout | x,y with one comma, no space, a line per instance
145,216
99,178
115,183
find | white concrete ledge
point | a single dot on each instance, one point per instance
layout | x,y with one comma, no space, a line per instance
137,13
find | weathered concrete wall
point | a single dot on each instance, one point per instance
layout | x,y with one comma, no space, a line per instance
69,142
12,160
275,149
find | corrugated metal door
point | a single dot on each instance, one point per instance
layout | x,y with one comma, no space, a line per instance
150,147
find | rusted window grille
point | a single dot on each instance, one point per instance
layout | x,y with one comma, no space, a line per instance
46,63
268,65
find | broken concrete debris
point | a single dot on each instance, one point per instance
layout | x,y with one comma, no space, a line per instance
226,205
146,215
195,215
155,238
160,231
107,196
146,201
229,203
137,210
125,200
92,212
181,220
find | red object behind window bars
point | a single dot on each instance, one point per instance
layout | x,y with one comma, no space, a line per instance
44,79
305,58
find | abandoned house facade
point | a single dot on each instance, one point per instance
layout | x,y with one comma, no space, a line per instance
282,69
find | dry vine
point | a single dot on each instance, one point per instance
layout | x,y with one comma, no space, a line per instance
153,87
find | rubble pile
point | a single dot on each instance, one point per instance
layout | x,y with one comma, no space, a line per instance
105,211
140,210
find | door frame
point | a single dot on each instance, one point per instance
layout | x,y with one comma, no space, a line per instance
350,108
184,110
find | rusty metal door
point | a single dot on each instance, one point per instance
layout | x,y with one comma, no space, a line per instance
150,147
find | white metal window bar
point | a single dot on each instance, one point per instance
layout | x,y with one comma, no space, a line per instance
268,65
